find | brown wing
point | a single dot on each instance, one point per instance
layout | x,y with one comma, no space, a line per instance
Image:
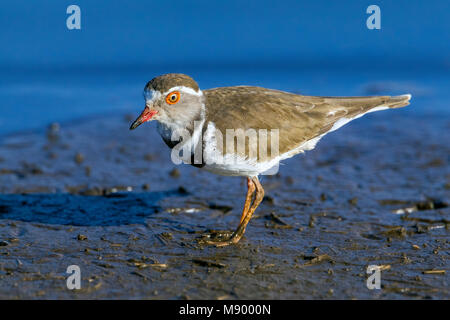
298,118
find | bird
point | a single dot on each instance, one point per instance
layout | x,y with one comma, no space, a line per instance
193,123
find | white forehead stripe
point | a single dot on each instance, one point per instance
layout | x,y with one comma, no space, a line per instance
185,90
153,94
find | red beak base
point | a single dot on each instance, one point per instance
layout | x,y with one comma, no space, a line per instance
145,116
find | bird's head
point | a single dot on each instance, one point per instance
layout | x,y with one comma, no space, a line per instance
171,98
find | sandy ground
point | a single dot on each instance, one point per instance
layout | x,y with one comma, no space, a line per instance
96,195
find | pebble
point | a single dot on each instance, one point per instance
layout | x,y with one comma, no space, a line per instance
81,237
79,158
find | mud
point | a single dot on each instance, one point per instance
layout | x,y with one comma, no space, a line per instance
96,195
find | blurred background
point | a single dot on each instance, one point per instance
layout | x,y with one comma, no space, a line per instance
49,73
85,190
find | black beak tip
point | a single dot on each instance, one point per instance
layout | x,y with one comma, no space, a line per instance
134,125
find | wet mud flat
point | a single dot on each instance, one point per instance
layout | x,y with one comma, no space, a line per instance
96,195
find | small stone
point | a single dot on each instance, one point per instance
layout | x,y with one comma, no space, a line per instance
182,190
79,158
175,173
167,235
148,157
4,243
53,132
81,237
312,221
289,180
269,200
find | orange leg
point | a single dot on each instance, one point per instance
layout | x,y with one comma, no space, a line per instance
253,184
248,200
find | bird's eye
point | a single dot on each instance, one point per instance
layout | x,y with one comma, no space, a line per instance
173,97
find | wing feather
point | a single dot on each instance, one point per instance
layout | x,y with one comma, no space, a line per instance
298,118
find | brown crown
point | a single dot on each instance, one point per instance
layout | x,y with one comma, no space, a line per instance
166,81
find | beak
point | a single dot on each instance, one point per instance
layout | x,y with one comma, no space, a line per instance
145,116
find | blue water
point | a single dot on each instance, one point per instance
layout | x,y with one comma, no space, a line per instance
49,73
184,32
32,100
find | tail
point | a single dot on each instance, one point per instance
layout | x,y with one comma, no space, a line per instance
337,111
398,101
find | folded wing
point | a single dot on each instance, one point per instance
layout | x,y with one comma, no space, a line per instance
301,120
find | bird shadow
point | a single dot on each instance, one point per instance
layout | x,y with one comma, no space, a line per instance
79,210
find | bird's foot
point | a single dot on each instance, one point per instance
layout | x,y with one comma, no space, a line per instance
219,238
216,235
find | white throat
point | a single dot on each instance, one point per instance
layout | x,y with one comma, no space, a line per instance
172,130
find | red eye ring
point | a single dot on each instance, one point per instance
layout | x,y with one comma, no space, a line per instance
173,97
